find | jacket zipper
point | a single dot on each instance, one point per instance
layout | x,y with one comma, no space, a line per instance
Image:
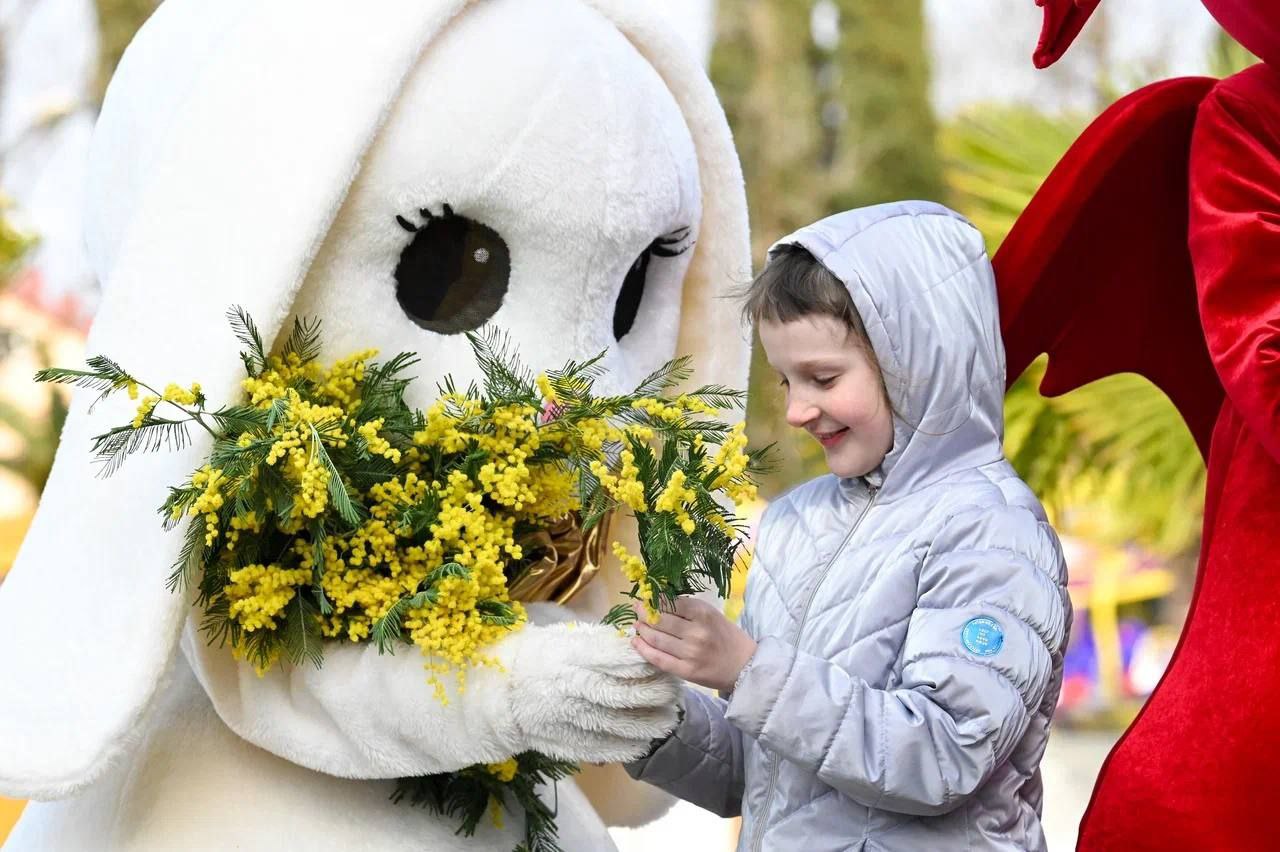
774,760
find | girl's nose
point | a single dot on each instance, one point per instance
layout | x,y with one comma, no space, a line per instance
800,411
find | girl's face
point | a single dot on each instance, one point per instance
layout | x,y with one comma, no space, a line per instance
833,390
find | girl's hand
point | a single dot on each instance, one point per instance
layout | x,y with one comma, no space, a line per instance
696,643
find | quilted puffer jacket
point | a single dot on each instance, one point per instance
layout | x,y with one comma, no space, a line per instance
911,623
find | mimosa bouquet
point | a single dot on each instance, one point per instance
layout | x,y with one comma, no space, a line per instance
329,510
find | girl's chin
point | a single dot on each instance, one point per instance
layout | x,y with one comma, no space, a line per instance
850,467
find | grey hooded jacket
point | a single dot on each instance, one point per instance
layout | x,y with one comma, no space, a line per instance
911,624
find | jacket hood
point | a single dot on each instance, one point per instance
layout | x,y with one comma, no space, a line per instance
920,279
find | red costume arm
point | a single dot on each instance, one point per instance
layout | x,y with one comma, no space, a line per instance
1234,236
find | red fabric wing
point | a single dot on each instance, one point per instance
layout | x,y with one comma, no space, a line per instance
1196,769
1096,271
1253,23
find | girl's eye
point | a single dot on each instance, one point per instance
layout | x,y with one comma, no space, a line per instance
824,382
453,276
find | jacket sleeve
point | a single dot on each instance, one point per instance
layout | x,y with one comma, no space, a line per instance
701,762
924,745
1234,235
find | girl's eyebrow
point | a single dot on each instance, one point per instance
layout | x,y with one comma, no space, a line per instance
811,365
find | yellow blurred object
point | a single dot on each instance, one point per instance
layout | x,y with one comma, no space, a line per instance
751,512
12,529
1112,577
11,532
737,587
10,810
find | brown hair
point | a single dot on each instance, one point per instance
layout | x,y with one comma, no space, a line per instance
793,285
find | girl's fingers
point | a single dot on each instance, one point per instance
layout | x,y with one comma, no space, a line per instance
668,623
658,638
659,659
691,608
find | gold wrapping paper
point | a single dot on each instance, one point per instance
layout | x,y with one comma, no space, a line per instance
570,560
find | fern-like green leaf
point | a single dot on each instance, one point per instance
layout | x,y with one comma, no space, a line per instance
387,630
301,629
304,339
254,354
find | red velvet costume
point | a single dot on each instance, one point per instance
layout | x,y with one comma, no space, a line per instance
1154,247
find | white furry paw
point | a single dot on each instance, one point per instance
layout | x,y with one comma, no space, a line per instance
580,692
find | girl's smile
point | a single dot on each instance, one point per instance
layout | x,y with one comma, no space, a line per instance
834,390
830,439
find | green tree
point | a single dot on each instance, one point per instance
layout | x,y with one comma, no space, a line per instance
889,150
13,245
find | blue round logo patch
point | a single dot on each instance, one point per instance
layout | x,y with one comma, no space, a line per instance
982,636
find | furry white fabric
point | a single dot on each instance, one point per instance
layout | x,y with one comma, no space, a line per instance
572,691
257,153
195,786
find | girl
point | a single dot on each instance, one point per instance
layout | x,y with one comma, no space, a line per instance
901,646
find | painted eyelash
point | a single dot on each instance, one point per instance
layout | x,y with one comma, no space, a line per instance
427,215
664,246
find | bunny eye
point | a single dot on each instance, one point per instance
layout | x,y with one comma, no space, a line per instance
628,304
453,275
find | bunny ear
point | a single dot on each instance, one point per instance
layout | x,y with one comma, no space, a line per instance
710,326
224,205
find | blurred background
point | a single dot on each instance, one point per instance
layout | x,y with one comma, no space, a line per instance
834,104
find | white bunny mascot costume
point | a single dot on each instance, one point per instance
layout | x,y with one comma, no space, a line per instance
560,168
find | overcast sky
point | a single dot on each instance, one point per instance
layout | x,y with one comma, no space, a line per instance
982,50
